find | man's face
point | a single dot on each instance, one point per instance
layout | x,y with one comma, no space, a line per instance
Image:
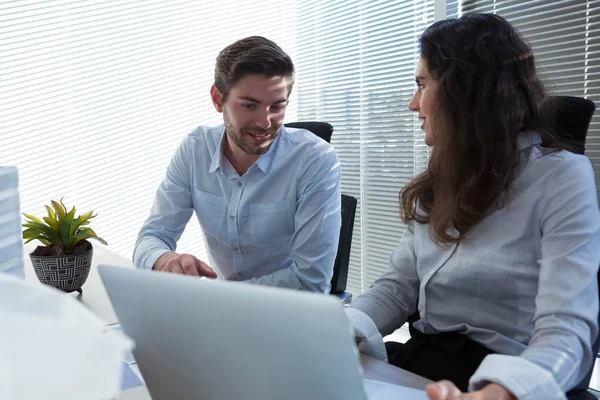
253,112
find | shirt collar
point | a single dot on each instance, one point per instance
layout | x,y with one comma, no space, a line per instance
527,139
217,156
264,162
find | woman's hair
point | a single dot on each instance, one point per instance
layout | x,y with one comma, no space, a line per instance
487,93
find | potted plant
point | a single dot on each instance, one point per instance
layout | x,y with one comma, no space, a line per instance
65,258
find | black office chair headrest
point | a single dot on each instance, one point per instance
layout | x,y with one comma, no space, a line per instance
570,119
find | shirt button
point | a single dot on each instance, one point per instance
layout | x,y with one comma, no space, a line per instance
239,184
231,217
235,248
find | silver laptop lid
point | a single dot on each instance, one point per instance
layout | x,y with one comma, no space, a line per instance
226,340
11,238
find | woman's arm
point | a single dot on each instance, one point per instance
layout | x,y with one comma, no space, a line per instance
565,322
393,296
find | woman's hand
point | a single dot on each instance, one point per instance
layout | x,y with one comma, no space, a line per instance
446,390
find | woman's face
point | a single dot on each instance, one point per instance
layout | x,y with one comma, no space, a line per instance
422,100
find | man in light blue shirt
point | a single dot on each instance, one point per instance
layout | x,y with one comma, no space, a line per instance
268,198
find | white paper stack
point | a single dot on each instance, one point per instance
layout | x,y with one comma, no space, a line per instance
52,347
11,242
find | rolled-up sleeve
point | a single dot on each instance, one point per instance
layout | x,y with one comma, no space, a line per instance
317,222
171,211
559,354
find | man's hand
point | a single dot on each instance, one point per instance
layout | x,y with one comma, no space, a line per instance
185,264
446,390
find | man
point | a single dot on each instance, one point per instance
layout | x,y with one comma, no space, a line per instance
268,199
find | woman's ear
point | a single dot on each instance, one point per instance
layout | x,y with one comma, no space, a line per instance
216,98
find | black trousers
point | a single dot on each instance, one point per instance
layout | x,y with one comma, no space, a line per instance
448,355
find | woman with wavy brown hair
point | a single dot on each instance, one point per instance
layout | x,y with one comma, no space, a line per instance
502,246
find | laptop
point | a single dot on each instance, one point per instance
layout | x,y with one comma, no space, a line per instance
219,340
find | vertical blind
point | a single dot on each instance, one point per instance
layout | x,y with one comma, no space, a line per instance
356,61
96,95
565,37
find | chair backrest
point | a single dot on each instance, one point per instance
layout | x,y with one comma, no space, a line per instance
342,259
324,130
321,129
571,118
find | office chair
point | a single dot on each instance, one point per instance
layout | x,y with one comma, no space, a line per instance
342,259
571,117
321,129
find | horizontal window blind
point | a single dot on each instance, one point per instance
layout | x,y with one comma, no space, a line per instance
565,37
96,96
356,60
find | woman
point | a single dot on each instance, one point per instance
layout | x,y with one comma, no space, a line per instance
502,246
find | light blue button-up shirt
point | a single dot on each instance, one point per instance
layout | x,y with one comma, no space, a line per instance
278,224
522,283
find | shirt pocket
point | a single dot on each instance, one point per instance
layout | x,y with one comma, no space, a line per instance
210,210
270,223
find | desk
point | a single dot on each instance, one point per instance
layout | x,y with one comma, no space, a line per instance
94,296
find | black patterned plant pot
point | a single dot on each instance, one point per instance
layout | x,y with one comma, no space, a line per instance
67,273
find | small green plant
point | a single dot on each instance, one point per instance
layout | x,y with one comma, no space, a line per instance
60,231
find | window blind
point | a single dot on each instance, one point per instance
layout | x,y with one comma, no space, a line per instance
356,60
96,96
565,37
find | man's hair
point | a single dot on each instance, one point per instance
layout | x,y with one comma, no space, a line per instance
488,92
252,55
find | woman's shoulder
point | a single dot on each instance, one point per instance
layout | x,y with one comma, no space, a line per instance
558,164
550,175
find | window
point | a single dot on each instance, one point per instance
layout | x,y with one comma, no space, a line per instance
356,62
97,95
565,39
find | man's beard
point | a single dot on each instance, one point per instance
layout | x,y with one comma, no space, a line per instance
247,146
